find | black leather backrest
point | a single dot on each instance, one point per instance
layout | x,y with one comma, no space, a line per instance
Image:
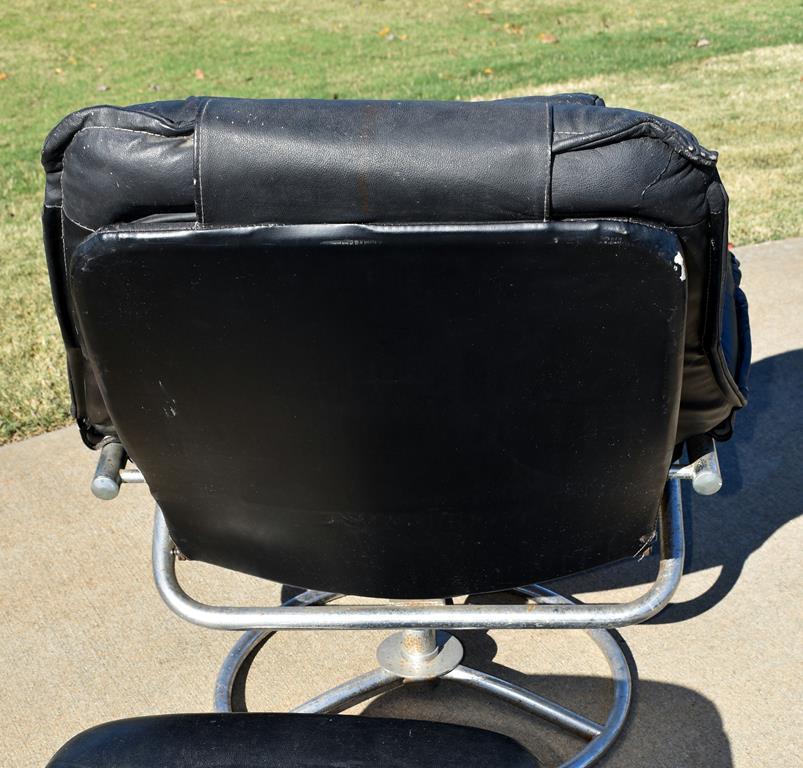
395,411
239,162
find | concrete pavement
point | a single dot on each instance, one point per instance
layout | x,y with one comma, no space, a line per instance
84,637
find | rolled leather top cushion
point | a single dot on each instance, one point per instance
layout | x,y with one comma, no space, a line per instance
241,161
226,162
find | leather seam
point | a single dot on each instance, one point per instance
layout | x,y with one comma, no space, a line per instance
548,173
662,132
199,157
63,241
689,226
117,128
73,221
173,130
715,356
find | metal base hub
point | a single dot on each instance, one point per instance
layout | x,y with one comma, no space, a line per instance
420,654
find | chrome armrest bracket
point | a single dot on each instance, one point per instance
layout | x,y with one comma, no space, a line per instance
111,471
703,467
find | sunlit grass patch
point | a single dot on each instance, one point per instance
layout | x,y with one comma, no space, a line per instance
729,71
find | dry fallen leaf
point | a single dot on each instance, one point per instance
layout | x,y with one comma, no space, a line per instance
59,71
102,88
3,75
546,37
487,71
702,42
199,74
384,32
513,29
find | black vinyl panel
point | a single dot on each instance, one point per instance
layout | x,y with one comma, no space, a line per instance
393,411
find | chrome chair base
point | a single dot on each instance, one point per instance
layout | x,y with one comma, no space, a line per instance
415,655
419,652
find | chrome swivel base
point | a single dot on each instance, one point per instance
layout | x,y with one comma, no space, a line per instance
415,655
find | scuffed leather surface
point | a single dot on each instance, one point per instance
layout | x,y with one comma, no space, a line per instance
297,162
393,411
256,740
107,165
128,190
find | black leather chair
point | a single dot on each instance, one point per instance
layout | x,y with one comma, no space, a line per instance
408,350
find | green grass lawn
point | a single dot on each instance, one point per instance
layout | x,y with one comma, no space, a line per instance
730,71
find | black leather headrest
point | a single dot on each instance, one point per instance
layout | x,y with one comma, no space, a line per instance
246,161
296,161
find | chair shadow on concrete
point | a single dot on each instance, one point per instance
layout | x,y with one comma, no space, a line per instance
668,725
762,467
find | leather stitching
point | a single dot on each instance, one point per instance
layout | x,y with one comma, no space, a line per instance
117,128
548,174
198,158
73,221
662,132
61,224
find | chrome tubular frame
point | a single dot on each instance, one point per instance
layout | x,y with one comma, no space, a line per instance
545,615
423,650
421,653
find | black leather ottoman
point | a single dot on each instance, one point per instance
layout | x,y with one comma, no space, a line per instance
252,740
